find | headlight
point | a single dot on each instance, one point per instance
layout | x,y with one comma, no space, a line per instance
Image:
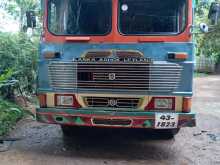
66,100
163,103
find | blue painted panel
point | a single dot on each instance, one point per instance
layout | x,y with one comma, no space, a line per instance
156,51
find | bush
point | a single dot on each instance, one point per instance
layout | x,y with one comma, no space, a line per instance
18,61
9,115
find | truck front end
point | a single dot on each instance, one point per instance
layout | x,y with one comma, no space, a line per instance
117,63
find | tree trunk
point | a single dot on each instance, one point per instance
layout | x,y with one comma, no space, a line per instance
21,20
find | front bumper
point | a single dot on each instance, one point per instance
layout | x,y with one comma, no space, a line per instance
85,117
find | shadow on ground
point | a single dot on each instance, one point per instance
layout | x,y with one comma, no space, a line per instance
127,144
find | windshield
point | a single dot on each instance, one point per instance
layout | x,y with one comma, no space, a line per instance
146,17
79,17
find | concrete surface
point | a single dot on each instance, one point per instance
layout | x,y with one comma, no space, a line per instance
42,144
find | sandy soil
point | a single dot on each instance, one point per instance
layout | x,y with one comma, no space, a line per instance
42,144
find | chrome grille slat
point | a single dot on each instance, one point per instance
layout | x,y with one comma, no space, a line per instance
140,67
140,88
122,83
135,74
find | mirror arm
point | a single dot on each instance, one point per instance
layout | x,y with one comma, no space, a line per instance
192,29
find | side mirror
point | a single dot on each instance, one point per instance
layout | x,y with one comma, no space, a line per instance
214,13
204,28
31,19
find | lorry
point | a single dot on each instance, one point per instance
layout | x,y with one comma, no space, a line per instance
117,64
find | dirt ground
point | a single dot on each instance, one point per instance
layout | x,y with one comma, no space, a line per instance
41,144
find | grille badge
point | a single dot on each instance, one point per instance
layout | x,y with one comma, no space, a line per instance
112,102
112,76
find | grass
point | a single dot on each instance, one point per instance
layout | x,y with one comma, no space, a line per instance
197,74
10,113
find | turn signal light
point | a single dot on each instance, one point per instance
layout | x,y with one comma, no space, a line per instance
51,55
187,104
42,100
177,56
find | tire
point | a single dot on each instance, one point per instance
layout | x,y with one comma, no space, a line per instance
69,130
168,133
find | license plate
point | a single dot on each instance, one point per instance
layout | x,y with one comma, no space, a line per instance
166,120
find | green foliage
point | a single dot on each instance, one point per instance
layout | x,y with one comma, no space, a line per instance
18,56
18,62
9,115
18,8
6,76
207,44
196,74
211,43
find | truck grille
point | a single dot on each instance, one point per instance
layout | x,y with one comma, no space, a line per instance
164,77
115,76
62,75
112,102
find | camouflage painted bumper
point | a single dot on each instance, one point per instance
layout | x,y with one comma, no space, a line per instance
86,117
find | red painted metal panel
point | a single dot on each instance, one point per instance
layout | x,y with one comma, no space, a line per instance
116,37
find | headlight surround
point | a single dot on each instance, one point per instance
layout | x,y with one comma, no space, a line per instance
66,100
